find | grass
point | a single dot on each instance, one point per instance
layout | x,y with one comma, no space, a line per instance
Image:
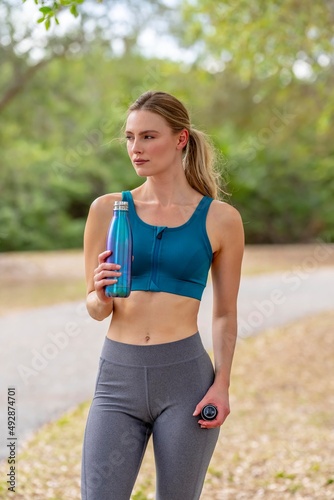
276,444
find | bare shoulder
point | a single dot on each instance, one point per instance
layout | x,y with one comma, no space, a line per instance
225,215
100,214
98,220
224,225
104,204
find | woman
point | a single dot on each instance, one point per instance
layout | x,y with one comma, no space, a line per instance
154,375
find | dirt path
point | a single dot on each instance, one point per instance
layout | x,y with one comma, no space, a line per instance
50,354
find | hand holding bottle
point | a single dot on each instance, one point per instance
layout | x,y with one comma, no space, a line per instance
119,242
107,273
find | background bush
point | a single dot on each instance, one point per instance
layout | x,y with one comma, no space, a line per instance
62,113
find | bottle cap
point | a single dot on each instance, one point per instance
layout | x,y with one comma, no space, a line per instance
209,412
121,205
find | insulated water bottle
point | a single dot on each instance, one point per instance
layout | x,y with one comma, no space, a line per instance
119,241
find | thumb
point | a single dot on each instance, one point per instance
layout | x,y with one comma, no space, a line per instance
198,409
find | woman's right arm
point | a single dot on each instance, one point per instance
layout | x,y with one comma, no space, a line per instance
98,271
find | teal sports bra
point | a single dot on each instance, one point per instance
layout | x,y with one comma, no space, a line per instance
171,259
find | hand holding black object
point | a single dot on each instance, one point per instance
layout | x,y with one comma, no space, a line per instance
209,412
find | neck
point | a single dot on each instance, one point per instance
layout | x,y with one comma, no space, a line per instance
168,191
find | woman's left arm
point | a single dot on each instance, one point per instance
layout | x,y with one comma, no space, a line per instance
225,273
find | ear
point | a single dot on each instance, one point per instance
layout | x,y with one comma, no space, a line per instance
182,139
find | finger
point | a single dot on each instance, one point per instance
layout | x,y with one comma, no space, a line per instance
198,408
112,266
108,272
102,282
104,268
104,255
201,405
209,425
105,282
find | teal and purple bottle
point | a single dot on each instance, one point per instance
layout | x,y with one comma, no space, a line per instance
119,241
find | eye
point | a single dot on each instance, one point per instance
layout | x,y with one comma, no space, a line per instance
128,137
149,137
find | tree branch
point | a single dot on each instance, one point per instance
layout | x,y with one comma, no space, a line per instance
21,81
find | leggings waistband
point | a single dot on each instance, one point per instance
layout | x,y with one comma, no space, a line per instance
153,355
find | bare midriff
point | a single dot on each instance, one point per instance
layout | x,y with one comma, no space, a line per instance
146,318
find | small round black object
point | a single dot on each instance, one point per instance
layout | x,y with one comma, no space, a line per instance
209,412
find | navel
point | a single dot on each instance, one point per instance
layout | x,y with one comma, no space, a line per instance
147,338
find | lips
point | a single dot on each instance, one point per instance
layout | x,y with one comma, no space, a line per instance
139,161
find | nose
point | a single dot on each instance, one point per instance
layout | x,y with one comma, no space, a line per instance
136,146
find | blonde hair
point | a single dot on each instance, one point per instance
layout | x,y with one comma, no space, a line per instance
199,160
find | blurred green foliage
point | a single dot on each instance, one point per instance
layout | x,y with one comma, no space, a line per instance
260,88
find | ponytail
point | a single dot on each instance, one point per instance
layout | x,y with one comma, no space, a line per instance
200,164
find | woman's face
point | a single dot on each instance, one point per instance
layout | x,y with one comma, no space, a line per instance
152,146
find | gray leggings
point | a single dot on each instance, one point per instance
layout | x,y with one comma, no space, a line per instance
144,390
